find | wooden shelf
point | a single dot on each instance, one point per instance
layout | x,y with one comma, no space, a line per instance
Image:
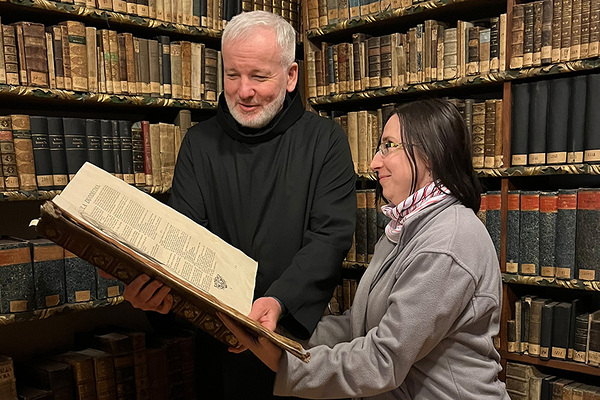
539,170
43,313
355,265
551,282
563,365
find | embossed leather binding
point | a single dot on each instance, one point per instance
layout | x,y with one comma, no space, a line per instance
125,264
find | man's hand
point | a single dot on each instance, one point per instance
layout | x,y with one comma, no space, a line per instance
262,347
148,295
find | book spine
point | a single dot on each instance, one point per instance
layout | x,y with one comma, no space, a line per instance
371,232
492,219
478,134
548,214
66,57
556,30
76,39
592,120
584,46
10,55
93,141
137,144
41,152
557,122
520,124
518,36
8,386
361,226
536,141
48,273
126,147
576,124
565,30
587,248
116,149
566,218
21,131
547,19
16,277
560,330
537,33
60,175
75,144
546,330
529,241
80,279
513,231
34,43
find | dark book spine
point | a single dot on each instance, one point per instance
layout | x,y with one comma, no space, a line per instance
525,318
536,141
80,279
529,243
587,242
93,141
8,383
492,219
557,120
594,339
108,287
546,330
576,127
16,277
371,223
535,326
560,330
548,212
58,153
494,44
520,124
537,33
566,217
575,310
580,338
116,142
126,151
528,34
41,152
592,120
361,226
165,46
75,144
137,144
48,273
108,157
511,336
547,14
513,231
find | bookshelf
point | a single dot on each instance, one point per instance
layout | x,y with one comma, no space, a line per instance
331,99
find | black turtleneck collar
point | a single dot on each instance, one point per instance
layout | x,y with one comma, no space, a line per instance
292,110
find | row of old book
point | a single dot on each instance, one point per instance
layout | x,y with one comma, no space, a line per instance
549,233
44,153
288,9
37,274
370,225
482,117
562,330
526,382
343,296
327,12
76,57
556,121
107,365
431,51
552,31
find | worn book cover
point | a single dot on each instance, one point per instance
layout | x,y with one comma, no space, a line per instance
126,232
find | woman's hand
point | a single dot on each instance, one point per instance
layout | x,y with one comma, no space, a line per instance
262,347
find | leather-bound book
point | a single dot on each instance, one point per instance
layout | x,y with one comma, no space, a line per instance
593,348
580,338
80,279
130,63
535,326
374,61
8,388
198,51
82,368
176,77
104,373
120,347
492,218
529,240
107,288
525,317
2,65
536,141
576,309
498,154
142,8
587,242
116,150
7,152
558,387
144,67
592,120
16,277
41,152
547,15
548,214
557,120
361,226
11,61
517,36
140,363
576,124
34,44
566,218
137,146
512,231
165,53
186,69
210,74
371,222
21,131
93,139
75,144
511,336
108,156
78,54
484,50
594,47
478,134
145,125
104,56
536,27
58,156
155,155
547,381
123,63
561,320
494,44
584,46
167,154
556,29
21,54
154,67
546,329
520,123
575,30
48,273
342,67
472,60
91,39
364,142
158,372
126,146
66,57
385,68
114,61
565,30
50,375
490,134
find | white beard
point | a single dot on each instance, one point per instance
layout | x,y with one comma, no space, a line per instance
260,118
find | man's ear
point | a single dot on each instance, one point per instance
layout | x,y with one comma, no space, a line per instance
292,77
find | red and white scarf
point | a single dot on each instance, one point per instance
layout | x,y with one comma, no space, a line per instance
422,198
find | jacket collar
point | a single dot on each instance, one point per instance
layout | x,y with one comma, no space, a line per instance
292,110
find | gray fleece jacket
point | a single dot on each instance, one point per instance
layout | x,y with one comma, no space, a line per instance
422,321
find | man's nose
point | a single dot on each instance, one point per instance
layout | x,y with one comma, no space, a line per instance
246,89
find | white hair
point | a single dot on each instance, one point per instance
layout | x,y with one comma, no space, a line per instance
245,25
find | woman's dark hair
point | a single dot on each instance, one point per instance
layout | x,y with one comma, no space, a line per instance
437,130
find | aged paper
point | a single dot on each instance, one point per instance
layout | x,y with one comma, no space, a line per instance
157,232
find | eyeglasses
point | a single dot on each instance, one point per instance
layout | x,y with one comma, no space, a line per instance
385,148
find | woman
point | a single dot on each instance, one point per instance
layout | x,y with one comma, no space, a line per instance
426,309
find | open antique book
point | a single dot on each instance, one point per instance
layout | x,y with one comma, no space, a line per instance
127,232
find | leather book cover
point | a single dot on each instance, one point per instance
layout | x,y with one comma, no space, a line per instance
594,46
361,226
494,44
584,46
565,30
137,59
450,53
119,6
58,156
561,320
137,145
556,30
34,43
484,50
8,388
131,6
50,375
575,30
593,345
535,326
197,70
80,279
371,223
2,65
104,373
155,155
576,309
547,19
21,131
478,134
142,8
158,373
342,67
113,62
82,368
103,55
576,122
374,61
528,34
176,73
48,273
546,329
167,154
489,140
210,75
548,214
492,218
130,63
566,217
144,67
186,69
557,120
75,144
580,338
123,64
517,36
525,317
145,126
511,336
591,138
587,239
165,53
11,62
520,123
7,152
21,54
352,134
472,61
77,54
498,149
41,152
154,67
385,60
106,144
116,149
93,140
50,60
120,347
140,364
66,57
16,277
537,33
126,146
529,240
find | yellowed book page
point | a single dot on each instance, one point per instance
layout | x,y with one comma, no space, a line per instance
185,249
